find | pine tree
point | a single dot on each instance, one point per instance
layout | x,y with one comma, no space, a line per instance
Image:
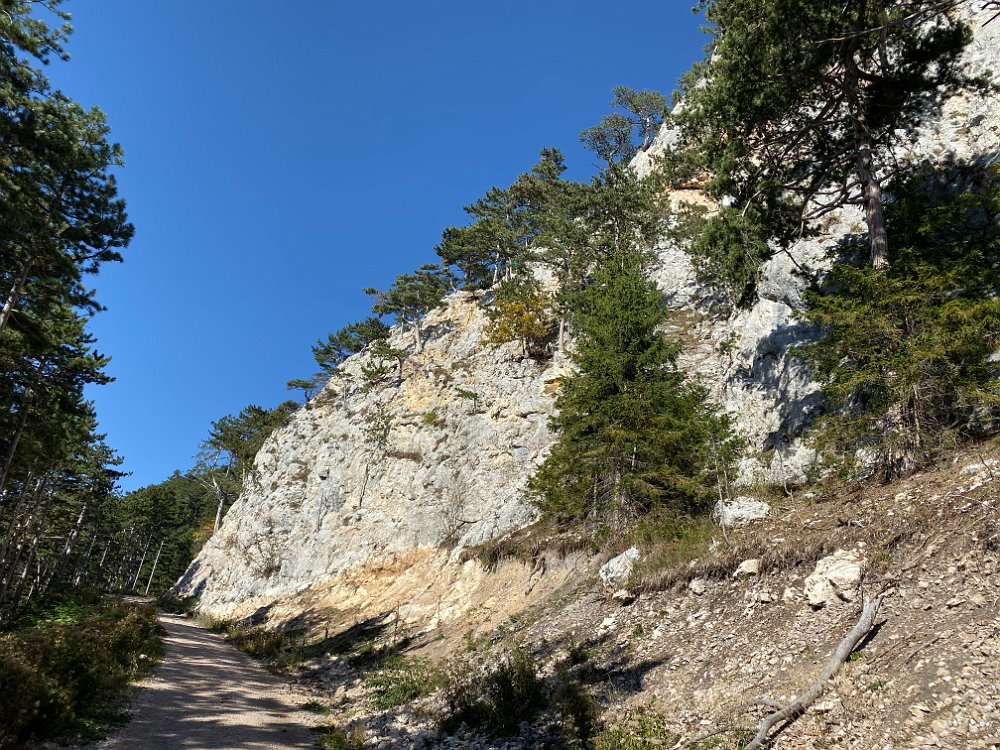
635,436
412,296
332,353
797,107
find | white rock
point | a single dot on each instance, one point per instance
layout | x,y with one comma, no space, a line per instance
615,572
836,578
741,511
698,586
748,568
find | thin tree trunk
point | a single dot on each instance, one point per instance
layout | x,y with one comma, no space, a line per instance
878,236
871,188
12,448
222,500
67,552
14,296
153,571
142,560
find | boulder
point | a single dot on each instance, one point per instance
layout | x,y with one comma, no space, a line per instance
616,572
835,579
741,511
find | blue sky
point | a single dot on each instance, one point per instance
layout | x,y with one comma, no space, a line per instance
281,156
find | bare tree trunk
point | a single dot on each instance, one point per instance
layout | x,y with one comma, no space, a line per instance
797,707
878,236
12,447
222,499
69,545
153,571
14,296
416,336
871,188
135,581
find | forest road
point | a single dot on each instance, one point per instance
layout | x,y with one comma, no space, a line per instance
206,695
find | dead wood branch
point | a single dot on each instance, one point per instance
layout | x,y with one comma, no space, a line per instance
797,707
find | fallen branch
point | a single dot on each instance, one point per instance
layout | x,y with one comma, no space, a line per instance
797,707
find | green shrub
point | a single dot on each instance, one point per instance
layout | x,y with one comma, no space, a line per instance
579,710
256,641
64,668
643,730
907,359
333,737
401,680
499,700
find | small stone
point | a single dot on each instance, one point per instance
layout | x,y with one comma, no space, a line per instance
623,597
749,567
698,586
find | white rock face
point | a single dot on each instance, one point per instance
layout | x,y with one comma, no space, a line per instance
835,579
743,355
741,511
328,499
616,571
453,472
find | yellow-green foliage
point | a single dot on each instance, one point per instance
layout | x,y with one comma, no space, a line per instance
63,669
522,314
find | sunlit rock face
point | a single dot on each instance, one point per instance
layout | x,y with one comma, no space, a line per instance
743,355
329,498
330,495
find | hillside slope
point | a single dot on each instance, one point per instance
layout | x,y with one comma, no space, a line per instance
345,535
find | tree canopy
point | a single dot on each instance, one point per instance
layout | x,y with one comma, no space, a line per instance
797,107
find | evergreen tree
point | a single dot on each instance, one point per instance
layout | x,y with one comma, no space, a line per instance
60,215
412,296
647,109
506,223
634,435
332,353
908,356
796,109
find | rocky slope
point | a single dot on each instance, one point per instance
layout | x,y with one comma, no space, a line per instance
341,528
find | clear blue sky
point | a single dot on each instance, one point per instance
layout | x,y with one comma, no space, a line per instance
281,156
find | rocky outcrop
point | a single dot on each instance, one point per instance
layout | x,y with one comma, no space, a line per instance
744,355
331,494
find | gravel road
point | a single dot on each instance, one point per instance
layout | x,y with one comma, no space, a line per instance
208,696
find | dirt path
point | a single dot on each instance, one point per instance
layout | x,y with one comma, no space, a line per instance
208,696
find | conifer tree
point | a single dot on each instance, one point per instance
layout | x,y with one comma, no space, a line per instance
412,296
795,111
635,436
332,353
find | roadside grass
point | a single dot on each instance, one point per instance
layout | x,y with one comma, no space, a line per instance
64,669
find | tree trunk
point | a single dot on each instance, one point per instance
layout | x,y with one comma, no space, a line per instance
222,499
153,571
142,560
12,448
416,336
871,188
14,296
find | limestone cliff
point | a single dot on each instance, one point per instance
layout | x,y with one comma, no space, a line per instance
329,497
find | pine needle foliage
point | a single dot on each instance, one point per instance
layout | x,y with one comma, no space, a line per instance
635,435
909,360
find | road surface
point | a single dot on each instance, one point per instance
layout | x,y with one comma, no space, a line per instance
206,695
